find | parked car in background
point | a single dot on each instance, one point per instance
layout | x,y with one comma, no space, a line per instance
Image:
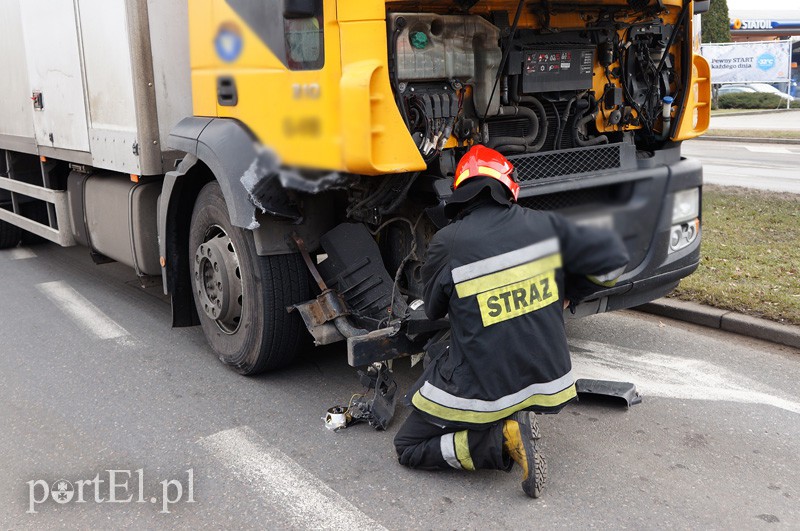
734,89
752,88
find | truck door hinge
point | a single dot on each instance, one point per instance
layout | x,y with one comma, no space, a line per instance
135,148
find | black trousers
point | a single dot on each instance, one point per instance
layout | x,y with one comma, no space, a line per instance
423,445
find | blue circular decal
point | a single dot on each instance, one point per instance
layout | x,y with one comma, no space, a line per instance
765,61
228,42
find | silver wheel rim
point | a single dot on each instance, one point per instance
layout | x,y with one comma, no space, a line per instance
218,280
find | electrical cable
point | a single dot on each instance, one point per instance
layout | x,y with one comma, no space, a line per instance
506,53
403,263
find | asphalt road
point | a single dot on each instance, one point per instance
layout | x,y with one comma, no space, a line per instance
93,379
774,167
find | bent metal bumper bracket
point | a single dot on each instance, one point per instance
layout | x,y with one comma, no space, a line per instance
605,389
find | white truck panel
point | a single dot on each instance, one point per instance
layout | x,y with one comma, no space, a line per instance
114,74
169,41
54,68
109,84
16,117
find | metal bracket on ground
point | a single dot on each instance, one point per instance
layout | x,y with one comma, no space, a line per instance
617,392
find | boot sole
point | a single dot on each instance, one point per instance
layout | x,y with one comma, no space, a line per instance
529,425
541,474
534,485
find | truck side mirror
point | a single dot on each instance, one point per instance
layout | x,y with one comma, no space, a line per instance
300,8
701,6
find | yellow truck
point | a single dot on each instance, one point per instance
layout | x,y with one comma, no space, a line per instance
280,164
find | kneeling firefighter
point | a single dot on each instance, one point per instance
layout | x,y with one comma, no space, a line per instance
504,274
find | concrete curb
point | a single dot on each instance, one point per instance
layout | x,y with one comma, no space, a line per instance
749,140
691,312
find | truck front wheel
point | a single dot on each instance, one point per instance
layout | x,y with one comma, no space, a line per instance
241,297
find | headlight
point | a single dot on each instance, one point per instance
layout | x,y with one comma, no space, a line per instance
686,205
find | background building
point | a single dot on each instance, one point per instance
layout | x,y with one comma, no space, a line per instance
767,24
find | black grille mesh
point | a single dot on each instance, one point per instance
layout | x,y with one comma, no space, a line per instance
599,195
537,166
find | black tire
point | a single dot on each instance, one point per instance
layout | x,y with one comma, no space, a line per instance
10,235
263,335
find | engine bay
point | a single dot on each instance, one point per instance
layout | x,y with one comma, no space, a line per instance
538,79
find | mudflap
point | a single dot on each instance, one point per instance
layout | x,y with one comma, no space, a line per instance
618,393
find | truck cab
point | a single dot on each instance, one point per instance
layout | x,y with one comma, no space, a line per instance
292,154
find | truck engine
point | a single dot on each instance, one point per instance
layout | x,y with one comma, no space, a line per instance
565,104
463,79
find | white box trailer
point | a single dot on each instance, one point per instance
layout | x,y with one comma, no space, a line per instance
97,83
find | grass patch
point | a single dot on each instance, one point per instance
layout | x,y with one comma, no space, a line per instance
722,112
750,257
753,100
754,133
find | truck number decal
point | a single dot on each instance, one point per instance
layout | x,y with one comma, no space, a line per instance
304,126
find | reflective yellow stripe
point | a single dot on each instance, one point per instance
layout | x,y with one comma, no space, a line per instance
608,284
462,451
464,175
484,171
508,276
489,172
608,280
485,417
504,261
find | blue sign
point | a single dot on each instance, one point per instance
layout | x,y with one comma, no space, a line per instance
765,61
228,43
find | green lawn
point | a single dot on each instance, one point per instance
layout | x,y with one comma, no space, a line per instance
750,256
722,112
754,133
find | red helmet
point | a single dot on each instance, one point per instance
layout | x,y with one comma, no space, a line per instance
481,161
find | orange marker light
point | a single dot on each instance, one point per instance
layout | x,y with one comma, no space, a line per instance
134,178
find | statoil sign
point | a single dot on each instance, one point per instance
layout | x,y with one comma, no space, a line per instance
752,24
749,62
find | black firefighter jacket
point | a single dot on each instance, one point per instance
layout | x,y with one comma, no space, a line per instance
499,272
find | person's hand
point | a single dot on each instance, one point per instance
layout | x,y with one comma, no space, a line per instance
566,303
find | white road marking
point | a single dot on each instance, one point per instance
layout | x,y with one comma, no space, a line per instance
672,376
307,501
21,253
81,310
768,149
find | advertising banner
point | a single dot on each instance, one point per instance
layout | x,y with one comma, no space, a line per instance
749,62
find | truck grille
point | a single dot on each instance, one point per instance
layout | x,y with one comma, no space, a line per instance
533,167
601,196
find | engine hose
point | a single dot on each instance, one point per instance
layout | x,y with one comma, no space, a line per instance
512,148
558,123
564,120
515,88
576,137
543,126
514,140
